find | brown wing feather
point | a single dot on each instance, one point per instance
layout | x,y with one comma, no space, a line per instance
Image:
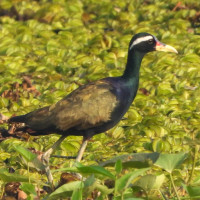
88,106
40,119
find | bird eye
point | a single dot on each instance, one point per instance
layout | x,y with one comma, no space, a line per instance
150,41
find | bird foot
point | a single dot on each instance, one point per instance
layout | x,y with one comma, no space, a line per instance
45,161
45,158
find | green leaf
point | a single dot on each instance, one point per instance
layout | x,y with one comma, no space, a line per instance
66,190
104,189
29,156
123,182
193,191
134,199
134,160
118,167
94,170
190,58
164,88
89,181
77,195
28,188
89,185
10,177
149,182
4,156
169,162
66,169
117,132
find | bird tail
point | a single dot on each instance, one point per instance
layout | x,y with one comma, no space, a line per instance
20,118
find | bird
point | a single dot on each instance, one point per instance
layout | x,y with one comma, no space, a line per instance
95,107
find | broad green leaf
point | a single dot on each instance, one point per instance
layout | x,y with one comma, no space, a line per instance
169,162
134,160
77,195
193,191
117,132
149,182
89,185
29,156
104,189
123,182
10,177
66,190
89,181
28,188
118,167
66,169
94,170
4,156
190,58
164,89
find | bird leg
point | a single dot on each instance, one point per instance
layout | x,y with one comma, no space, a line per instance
46,156
80,155
82,149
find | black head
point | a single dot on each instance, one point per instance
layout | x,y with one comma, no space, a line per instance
145,42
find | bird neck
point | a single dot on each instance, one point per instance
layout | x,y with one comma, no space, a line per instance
131,73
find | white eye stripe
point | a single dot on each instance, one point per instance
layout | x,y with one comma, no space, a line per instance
139,40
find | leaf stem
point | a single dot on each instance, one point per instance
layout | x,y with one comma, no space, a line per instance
173,185
162,195
29,179
122,196
3,189
196,149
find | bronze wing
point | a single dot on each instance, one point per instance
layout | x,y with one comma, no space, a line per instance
88,106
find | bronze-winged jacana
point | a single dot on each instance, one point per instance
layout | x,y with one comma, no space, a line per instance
95,107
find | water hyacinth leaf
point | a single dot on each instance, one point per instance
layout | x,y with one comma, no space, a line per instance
117,132
169,162
134,115
150,181
190,58
66,190
94,170
159,145
164,89
29,156
4,156
123,182
134,160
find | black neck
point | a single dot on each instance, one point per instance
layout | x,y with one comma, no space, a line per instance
133,66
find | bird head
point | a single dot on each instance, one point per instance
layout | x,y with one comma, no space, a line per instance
145,42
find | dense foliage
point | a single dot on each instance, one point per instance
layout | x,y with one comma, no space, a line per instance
49,48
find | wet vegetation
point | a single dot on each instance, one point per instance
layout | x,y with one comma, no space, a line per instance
49,48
